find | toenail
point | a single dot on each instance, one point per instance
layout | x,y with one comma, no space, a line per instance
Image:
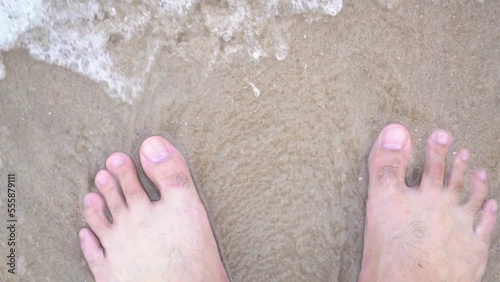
442,137
155,151
465,155
494,207
82,235
116,161
87,201
394,139
482,175
102,179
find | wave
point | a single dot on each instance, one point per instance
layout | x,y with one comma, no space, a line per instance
116,42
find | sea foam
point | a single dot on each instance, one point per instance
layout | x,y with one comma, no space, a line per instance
116,43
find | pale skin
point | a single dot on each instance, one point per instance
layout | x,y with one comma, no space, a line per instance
424,233
421,233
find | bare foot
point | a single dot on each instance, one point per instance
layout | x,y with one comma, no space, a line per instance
167,240
423,233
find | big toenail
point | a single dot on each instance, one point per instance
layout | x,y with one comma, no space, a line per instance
116,161
394,139
442,137
155,151
494,207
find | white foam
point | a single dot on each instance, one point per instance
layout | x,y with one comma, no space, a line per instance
180,7
116,42
331,7
16,17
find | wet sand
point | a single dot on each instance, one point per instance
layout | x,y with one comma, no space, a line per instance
283,175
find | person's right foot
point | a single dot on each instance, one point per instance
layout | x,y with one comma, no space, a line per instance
423,233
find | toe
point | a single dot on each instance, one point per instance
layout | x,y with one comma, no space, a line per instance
166,167
92,250
478,194
389,158
108,187
94,214
435,160
487,224
456,181
123,168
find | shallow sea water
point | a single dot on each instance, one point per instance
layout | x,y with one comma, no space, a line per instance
277,145
117,42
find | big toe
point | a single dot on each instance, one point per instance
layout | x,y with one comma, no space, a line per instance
389,158
168,169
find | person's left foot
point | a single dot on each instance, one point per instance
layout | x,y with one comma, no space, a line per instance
167,240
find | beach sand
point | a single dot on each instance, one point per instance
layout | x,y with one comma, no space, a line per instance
283,175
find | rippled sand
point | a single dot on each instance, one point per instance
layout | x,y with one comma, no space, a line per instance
283,174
